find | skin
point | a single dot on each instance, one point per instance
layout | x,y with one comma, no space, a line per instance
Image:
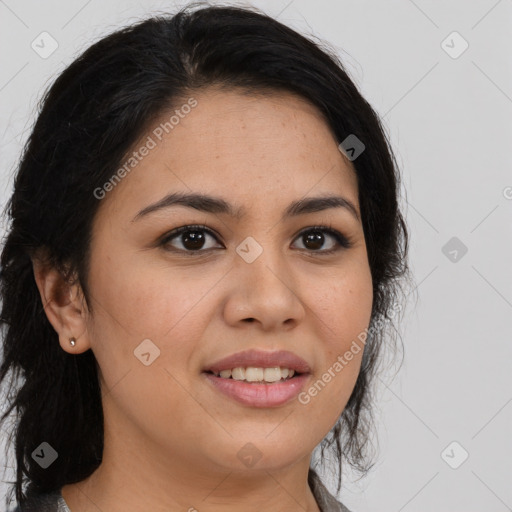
171,440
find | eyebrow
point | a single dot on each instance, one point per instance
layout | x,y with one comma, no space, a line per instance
212,204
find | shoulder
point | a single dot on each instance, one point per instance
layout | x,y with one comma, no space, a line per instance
48,502
325,500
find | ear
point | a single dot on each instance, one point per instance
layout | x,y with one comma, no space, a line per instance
64,305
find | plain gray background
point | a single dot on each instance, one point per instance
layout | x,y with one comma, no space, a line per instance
448,113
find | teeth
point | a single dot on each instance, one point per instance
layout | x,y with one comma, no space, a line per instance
272,374
253,374
238,373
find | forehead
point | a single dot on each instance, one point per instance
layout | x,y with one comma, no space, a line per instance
257,149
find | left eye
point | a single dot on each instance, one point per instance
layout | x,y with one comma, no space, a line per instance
192,239
315,238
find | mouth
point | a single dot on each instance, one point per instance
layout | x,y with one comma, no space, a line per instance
257,375
258,393
259,379
256,360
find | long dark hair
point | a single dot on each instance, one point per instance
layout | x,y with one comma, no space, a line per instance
88,121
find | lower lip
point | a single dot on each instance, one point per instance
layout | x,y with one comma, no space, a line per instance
259,395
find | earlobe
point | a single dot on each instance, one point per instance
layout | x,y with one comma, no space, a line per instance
63,306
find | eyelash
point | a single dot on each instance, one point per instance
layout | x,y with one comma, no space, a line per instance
343,242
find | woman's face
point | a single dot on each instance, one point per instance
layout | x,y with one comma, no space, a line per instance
166,308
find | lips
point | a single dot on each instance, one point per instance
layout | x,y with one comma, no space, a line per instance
260,359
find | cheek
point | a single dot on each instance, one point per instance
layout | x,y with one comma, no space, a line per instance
344,305
343,313
159,305
135,301
147,300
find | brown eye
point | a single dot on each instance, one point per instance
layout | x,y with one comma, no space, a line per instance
313,239
189,239
194,240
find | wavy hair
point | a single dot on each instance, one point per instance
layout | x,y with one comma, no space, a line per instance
87,121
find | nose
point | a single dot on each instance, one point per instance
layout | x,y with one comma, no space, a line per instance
265,292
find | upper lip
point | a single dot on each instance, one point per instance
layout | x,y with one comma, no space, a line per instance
260,359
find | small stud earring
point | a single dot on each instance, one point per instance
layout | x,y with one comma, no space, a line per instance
72,341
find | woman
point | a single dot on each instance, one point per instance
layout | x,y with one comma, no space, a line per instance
205,248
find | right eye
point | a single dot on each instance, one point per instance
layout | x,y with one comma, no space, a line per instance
191,238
